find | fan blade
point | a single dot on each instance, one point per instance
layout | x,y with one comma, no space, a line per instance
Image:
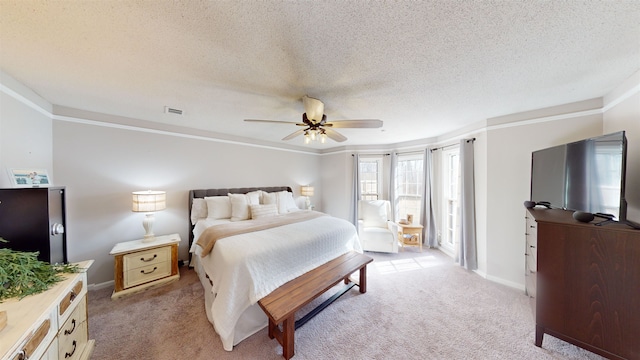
314,108
294,134
369,123
334,135
272,121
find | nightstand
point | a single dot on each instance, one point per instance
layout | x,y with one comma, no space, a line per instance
143,265
410,235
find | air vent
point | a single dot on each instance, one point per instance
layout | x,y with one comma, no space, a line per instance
170,110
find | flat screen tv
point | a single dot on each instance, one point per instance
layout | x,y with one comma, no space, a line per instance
587,175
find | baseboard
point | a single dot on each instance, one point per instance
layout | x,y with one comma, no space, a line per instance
103,285
502,281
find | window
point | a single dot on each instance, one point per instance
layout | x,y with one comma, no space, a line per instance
370,169
409,185
451,195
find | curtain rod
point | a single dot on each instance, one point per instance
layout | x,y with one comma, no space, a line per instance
371,154
451,145
411,152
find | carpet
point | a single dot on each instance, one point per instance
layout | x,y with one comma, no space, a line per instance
417,306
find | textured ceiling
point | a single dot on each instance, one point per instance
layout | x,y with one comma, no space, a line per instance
424,68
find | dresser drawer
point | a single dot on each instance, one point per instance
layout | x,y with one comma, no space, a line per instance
71,346
78,316
38,341
146,258
72,298
145,274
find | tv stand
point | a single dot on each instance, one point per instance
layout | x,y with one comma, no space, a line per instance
629,223
587,282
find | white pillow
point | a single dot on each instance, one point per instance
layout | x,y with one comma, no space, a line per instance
290,204
239,207
283,199
374,213
261,211
269,198
218,207
198,210
255,197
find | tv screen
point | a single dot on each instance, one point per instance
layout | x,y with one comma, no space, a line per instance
586,175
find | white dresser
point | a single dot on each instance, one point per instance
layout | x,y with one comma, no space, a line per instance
51,325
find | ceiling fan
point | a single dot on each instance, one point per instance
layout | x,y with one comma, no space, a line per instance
316,126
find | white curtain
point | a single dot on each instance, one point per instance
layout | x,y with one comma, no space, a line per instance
393,184
466,255
428,219
355,193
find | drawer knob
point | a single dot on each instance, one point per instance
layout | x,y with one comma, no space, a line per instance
154,269
150,259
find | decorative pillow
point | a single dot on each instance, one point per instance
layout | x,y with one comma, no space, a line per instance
374,213
261,211
290,204
218,207
198,210
283,199
255,197
239,207
269,198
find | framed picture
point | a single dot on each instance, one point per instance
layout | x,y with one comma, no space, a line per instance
30,177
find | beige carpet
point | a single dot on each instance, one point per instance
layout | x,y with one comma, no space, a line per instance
418,306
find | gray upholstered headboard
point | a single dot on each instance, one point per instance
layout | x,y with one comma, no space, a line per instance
201,193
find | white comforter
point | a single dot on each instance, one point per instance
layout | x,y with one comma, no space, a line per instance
245,268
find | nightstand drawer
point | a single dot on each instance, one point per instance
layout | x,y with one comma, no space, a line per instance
146,258
145,274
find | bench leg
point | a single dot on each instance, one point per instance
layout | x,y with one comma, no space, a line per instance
272,327
288,329
363,279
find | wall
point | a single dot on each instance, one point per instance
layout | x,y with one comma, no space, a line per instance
102,165
25,130
622,112
508,161
336,174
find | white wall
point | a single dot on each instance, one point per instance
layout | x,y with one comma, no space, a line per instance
622,112
25,129
102,165
336,174
508,161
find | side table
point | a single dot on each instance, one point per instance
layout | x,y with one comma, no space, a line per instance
410,235
142,265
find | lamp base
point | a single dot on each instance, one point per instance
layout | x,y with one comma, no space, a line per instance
147,223
149,238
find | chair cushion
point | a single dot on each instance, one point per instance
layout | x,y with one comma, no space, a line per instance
374,213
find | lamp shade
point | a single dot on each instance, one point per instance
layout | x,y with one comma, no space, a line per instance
306,190
149,201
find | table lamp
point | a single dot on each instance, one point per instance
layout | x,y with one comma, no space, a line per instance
149,202
307,191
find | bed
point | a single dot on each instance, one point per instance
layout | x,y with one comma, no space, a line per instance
261,240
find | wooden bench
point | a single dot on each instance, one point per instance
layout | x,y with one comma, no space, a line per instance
281,305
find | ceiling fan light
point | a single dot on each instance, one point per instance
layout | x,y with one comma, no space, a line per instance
323,138
307,139
313,135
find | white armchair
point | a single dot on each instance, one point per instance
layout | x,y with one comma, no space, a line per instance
376,228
